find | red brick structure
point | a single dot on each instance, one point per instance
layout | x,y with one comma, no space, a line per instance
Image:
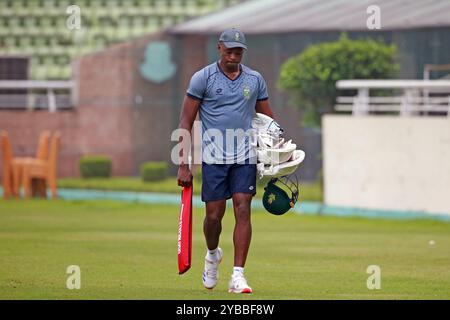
118,113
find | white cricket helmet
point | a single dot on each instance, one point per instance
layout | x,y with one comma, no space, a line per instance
268,131
275,156
283,169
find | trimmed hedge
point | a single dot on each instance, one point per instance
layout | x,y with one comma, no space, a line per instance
154,171
95,167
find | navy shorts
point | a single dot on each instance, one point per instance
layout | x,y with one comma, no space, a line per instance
221,181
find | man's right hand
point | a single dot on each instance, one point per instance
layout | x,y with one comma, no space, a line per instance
184,176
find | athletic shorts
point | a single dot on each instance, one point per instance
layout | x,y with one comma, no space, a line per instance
221,181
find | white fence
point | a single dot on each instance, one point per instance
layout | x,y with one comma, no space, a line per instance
406,97
35,95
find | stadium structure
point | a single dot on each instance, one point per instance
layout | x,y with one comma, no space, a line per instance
115,86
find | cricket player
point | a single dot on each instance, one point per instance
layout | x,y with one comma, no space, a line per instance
227,94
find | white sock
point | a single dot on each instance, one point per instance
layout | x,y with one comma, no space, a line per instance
238,271
212,254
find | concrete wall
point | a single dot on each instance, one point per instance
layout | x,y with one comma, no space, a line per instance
387,162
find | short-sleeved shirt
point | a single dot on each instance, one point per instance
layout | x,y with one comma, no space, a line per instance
226,111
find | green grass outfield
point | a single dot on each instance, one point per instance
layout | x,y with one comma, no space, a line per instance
129,251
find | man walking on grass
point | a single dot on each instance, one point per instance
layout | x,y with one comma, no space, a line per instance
227,94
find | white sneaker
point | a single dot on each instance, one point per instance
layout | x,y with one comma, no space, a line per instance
238,284
211,273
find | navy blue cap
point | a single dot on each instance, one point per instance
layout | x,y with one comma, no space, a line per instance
233,38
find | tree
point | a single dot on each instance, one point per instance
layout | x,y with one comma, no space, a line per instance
311,76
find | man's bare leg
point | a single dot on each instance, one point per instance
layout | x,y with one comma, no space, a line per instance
212,225
241,238
243,227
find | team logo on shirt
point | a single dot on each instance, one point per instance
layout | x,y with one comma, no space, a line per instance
247,92
219,91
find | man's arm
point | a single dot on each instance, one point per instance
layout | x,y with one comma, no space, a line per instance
187,117
262,106
188,112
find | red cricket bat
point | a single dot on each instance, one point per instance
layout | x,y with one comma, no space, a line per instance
185,231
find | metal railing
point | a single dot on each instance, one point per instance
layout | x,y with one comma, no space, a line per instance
36,95
415,97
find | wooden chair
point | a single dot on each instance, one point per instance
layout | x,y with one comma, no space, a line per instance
18,163
12,166
7,164
43,169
